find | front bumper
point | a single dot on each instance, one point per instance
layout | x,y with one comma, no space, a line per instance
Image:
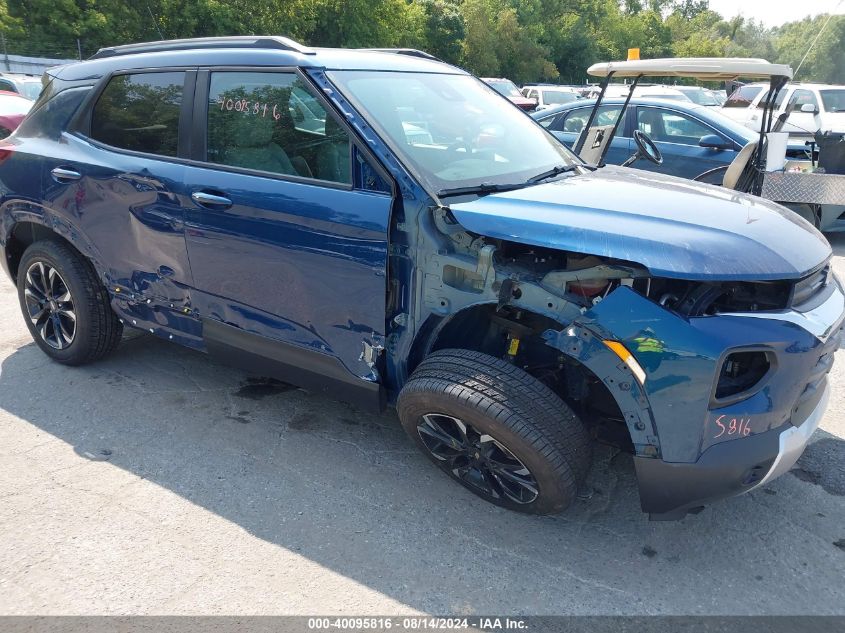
690,447
669,491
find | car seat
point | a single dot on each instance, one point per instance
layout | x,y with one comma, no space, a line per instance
650,122
333,154
254,147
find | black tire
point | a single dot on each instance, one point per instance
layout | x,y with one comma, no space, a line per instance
96,330
519,413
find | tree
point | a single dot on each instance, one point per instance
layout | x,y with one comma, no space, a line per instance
443,29
826,61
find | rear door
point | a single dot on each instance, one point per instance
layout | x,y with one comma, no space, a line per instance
288,255
118,178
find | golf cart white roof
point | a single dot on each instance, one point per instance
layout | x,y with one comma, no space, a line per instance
698,67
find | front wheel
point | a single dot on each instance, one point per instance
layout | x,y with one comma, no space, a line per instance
65,306
496,430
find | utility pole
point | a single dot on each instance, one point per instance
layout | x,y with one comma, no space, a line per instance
79,48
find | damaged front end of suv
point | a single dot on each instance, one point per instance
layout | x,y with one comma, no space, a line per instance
690,325
710,368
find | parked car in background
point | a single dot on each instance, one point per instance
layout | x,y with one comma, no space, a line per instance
508,89
28,86
654,91
548,96
701,96
815,107
692,138
13,109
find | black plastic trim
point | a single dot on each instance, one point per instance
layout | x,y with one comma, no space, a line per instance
309,369
668,491
717,403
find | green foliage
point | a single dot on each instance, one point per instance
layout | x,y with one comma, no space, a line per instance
524,40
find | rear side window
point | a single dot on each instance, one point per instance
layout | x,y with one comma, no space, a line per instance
575,120
140,112
272,122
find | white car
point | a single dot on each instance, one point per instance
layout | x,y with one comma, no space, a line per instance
648,91
815,107
549,96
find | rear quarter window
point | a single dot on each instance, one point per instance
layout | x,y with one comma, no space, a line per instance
140,112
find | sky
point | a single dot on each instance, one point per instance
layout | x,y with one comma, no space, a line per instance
776,12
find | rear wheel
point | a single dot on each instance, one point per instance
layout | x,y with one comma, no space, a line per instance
497,430
65,306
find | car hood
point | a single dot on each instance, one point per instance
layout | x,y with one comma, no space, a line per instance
674,227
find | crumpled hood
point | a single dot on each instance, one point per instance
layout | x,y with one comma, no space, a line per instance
674,227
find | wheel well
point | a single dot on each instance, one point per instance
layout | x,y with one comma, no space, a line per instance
22,235
492,330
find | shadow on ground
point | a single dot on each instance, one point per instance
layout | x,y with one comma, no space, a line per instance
347,490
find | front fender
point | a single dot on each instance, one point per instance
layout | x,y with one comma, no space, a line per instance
665,413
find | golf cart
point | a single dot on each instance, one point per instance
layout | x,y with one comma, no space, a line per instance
817,196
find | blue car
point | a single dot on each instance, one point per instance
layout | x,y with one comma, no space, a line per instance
692,138
384,228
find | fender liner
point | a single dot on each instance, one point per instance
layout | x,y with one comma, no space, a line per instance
581,343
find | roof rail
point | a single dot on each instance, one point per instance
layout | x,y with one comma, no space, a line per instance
411,52
240,41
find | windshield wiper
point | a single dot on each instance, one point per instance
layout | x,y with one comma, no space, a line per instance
484,187
554,171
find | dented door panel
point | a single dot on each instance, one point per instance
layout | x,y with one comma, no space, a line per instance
295,262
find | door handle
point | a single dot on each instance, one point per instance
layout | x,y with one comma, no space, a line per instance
63,175
205,199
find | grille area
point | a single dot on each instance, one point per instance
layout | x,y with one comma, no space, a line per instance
805,289
815,381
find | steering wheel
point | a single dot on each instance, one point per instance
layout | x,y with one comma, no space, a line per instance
647,147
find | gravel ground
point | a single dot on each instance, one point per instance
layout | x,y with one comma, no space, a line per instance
157,482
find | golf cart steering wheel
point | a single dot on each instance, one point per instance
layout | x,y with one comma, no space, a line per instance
647,147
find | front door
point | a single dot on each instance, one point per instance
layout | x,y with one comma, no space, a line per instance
289,258
677,136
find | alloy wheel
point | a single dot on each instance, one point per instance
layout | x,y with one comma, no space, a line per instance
477,458
49,305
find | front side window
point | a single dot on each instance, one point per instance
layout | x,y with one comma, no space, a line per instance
450,129
140,112
558,97
272,122
801,98
670,127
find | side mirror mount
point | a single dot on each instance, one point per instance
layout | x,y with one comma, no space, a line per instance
809,108
714,141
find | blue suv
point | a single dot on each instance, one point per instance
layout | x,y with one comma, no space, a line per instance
382,227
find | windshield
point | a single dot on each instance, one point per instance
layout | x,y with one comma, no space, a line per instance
504,87
663,95
14,105
557,97
833,100
30,89
701,97
452,130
